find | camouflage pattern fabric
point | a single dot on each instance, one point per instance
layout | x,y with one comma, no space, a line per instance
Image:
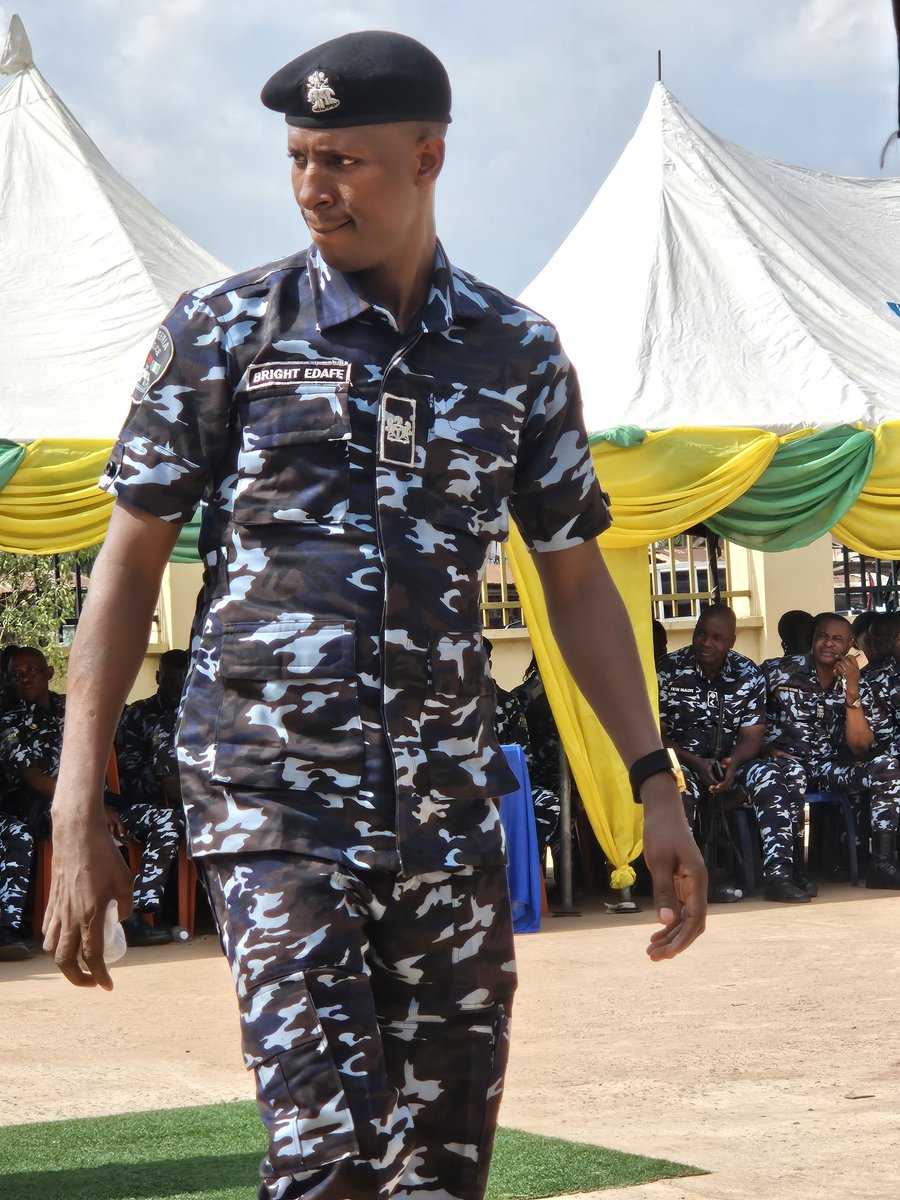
375,1014
339,702
512,727
16,856
809,722
776,787
31,736
145,749
689,701
879,690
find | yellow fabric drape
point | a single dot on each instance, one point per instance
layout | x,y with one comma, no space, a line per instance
599,775
52,504
677,478
872,523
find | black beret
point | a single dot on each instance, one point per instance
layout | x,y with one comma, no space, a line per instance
367,78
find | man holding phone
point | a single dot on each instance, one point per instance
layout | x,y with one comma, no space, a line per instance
816,721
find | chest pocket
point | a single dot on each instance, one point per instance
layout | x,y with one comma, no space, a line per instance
469,465
294,460
289,714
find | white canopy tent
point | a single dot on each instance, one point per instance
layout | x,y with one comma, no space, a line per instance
706,285
88,267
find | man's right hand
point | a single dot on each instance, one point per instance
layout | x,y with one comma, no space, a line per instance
88,872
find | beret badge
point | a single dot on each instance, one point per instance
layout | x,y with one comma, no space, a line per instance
319,93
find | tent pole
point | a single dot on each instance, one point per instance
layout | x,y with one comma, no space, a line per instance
564,883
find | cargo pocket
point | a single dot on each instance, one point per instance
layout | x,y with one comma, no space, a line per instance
464,760
301,1097
469,472
289,714
294,463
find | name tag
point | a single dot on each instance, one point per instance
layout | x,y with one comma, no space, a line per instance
294,374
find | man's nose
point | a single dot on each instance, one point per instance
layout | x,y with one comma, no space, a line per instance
313,189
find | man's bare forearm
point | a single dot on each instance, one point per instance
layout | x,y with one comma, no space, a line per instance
107,653
593,631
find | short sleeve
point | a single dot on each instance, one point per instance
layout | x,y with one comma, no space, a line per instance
176,429
755,709
557,501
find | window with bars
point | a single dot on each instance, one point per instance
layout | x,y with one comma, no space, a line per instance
499,599
688,573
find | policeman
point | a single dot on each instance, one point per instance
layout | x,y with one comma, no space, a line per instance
712,704
512,727
879,690
31,735
361,417
145,740
816,721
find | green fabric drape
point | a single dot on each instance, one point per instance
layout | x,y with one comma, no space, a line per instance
11,454
811,482
186,546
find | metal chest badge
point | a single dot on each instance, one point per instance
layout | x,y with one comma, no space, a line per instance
319,93
398,430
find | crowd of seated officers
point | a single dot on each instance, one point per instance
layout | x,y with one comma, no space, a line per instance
809,721
145,809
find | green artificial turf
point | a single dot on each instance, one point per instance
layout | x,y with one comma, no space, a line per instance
212,1153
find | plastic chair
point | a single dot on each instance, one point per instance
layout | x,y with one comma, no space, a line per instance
843,802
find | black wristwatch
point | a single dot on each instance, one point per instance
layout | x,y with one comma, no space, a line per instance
654,763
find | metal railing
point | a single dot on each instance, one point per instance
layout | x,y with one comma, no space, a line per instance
686,561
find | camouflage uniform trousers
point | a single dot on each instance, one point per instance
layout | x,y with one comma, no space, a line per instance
880,777
776,787
16,855
159,831
375,1014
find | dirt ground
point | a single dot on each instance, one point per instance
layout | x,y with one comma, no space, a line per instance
768,1055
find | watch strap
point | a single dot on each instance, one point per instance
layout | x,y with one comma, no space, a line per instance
654,763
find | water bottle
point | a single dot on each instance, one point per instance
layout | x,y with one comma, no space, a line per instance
114,944
180,934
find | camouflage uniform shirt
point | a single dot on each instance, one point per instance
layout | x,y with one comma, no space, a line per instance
145,749
689,702
879,690
339,702
802,717
31,736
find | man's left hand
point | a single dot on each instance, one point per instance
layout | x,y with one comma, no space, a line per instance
677,867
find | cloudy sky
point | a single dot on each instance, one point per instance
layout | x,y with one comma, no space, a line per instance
546,95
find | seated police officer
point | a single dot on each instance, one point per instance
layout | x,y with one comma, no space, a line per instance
816,721
712,709
145,740
30,743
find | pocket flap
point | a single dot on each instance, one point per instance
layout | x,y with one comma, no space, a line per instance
285,650
309,414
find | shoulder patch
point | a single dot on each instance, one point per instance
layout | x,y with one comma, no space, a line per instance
158,360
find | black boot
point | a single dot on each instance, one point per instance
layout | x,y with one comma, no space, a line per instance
139,932
799,875
781,887
883,871
12,947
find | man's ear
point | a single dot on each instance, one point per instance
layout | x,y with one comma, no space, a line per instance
51,671
430,151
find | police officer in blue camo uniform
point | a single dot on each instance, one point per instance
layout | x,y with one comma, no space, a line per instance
511,727
816,722
712,704
31,737
879,685
361,419
145,740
